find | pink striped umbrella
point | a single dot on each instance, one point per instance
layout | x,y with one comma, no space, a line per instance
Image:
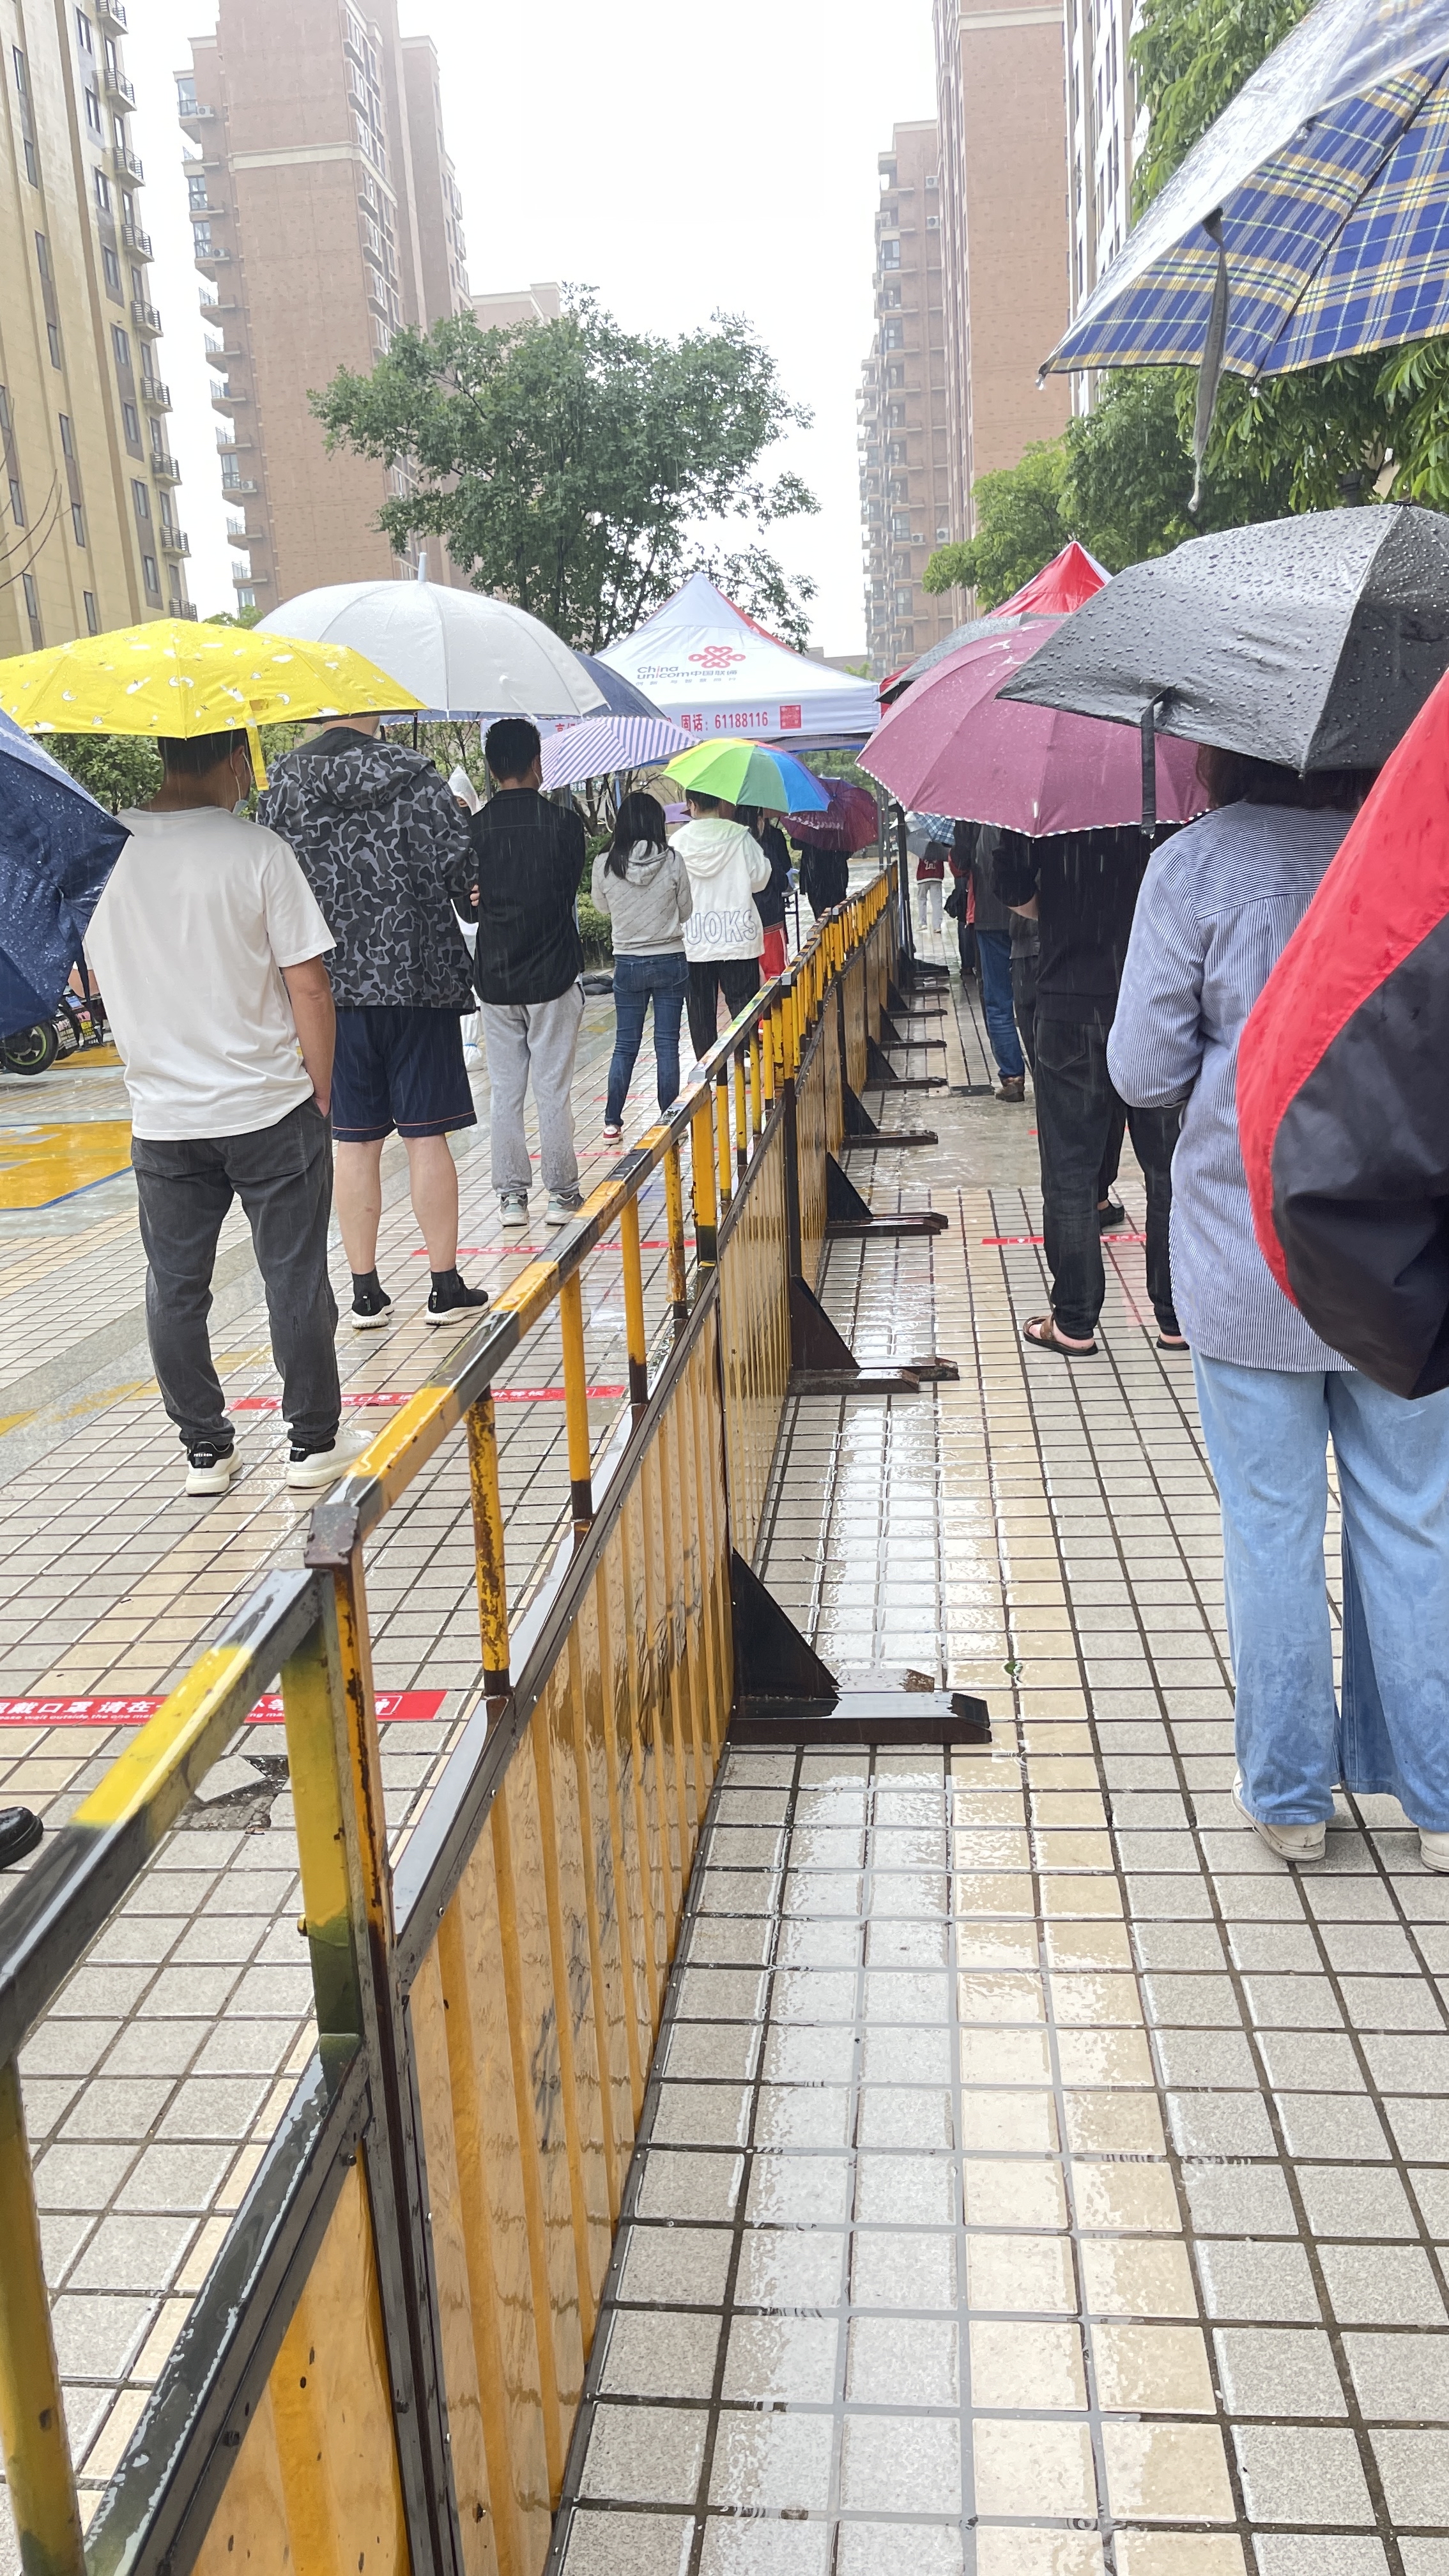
951,746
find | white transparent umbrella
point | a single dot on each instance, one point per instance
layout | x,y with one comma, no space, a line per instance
462,653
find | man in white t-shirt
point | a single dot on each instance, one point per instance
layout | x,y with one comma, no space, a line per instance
208,945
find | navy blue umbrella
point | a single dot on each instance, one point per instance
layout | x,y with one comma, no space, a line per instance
57,849
619,695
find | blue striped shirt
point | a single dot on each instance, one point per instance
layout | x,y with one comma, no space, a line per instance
1218,906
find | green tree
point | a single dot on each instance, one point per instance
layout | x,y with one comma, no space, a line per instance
118,768
569,464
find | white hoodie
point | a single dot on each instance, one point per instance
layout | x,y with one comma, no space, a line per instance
726,864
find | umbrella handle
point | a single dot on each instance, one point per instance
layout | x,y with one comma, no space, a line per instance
1210,368
1149,770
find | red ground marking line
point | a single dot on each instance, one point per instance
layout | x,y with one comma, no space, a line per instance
495,1251
501,1395
998,1242
393,1708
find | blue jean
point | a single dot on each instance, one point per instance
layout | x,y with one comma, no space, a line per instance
664,980
993,951
1267,1434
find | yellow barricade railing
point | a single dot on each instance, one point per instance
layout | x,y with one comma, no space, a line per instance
383,2366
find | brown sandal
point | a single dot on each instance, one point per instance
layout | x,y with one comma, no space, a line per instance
1041,1332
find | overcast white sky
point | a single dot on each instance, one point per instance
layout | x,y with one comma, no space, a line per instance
683,160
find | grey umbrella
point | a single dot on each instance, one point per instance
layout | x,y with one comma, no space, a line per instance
1312,641
992,624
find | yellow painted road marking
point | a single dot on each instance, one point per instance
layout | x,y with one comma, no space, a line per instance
39,1165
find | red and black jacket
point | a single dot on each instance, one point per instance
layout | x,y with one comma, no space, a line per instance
1343,1083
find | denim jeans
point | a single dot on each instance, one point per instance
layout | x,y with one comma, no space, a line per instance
1075,1109
283,1178
993,950
638,981
1267,1434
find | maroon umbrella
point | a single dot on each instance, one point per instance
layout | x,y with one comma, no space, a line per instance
850,824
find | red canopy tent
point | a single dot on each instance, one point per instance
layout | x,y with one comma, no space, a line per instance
1061,585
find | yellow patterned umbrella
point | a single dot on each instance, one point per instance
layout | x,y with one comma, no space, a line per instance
181,677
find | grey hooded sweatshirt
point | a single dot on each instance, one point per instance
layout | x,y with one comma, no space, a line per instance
383,844
648,905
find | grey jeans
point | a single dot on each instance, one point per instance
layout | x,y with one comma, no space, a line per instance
283,1178
541,1038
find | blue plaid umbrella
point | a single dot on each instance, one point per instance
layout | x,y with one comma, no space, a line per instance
57,849
1310,222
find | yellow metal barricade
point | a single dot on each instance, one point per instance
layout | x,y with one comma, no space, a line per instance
383,2367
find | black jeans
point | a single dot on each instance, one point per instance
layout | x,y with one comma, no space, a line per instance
738,978
1023,1003
283,1178
1075,1109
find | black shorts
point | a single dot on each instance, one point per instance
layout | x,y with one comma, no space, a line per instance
399,1068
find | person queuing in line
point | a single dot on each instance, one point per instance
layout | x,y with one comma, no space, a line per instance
991,921
772,898
643,886
209,943
960,907
723,936
529,858
383,843
930,880
1081,889
1025,954
1214,916
824,878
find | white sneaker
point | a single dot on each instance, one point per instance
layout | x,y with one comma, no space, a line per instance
562,1209
209,1470
312,1470
512,1210
1290,1842
1434,1850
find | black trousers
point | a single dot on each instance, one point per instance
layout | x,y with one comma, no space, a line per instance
283,1178
1075,1108
1023,1003
738,978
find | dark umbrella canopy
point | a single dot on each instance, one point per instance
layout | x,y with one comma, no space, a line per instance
57,848
619,695
850,824
974,628
1312,641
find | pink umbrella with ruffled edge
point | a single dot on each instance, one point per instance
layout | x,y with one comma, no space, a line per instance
952,747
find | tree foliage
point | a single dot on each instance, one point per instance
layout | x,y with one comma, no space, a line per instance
1018,528
569,465
118,768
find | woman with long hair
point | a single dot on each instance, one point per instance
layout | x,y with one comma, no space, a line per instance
1218,905
644,888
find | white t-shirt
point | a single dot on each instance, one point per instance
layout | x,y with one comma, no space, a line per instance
187,943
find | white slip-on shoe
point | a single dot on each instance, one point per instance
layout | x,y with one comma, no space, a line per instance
209,1470
1434,1850
311,1471
1290,1842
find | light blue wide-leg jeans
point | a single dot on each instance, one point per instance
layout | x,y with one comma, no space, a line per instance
1267,1434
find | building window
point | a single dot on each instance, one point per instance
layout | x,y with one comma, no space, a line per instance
142,499
103,191
67,441
890,295
42,256
890,254
185,94
893,335
52,333
93,113
18,59
17,501
93,622
148,568
110,269
32,599
245,598
121,345
201,240
78,522
196,188
32,166
83,36
131,418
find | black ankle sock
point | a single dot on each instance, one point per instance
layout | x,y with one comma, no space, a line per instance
446,1279
368,1291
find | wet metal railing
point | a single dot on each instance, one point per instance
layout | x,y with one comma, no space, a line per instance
382,2367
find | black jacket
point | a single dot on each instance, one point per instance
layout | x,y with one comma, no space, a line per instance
1086,885
770,900
383,843
824,878
529,858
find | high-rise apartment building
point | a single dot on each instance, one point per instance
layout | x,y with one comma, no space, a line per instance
508,306
1004,215
903,425
89,536
325,216
1102,142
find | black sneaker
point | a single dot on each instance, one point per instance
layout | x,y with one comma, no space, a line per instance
1110,1215
20,1831
370,1302
452,1301
209,1469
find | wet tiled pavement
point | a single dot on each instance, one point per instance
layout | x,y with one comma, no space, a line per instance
1038,2178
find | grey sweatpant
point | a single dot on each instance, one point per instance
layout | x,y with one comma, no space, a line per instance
541,1038
283,1178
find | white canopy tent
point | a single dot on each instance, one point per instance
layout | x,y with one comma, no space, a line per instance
713,671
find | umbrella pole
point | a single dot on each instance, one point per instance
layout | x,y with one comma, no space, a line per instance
1149,774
